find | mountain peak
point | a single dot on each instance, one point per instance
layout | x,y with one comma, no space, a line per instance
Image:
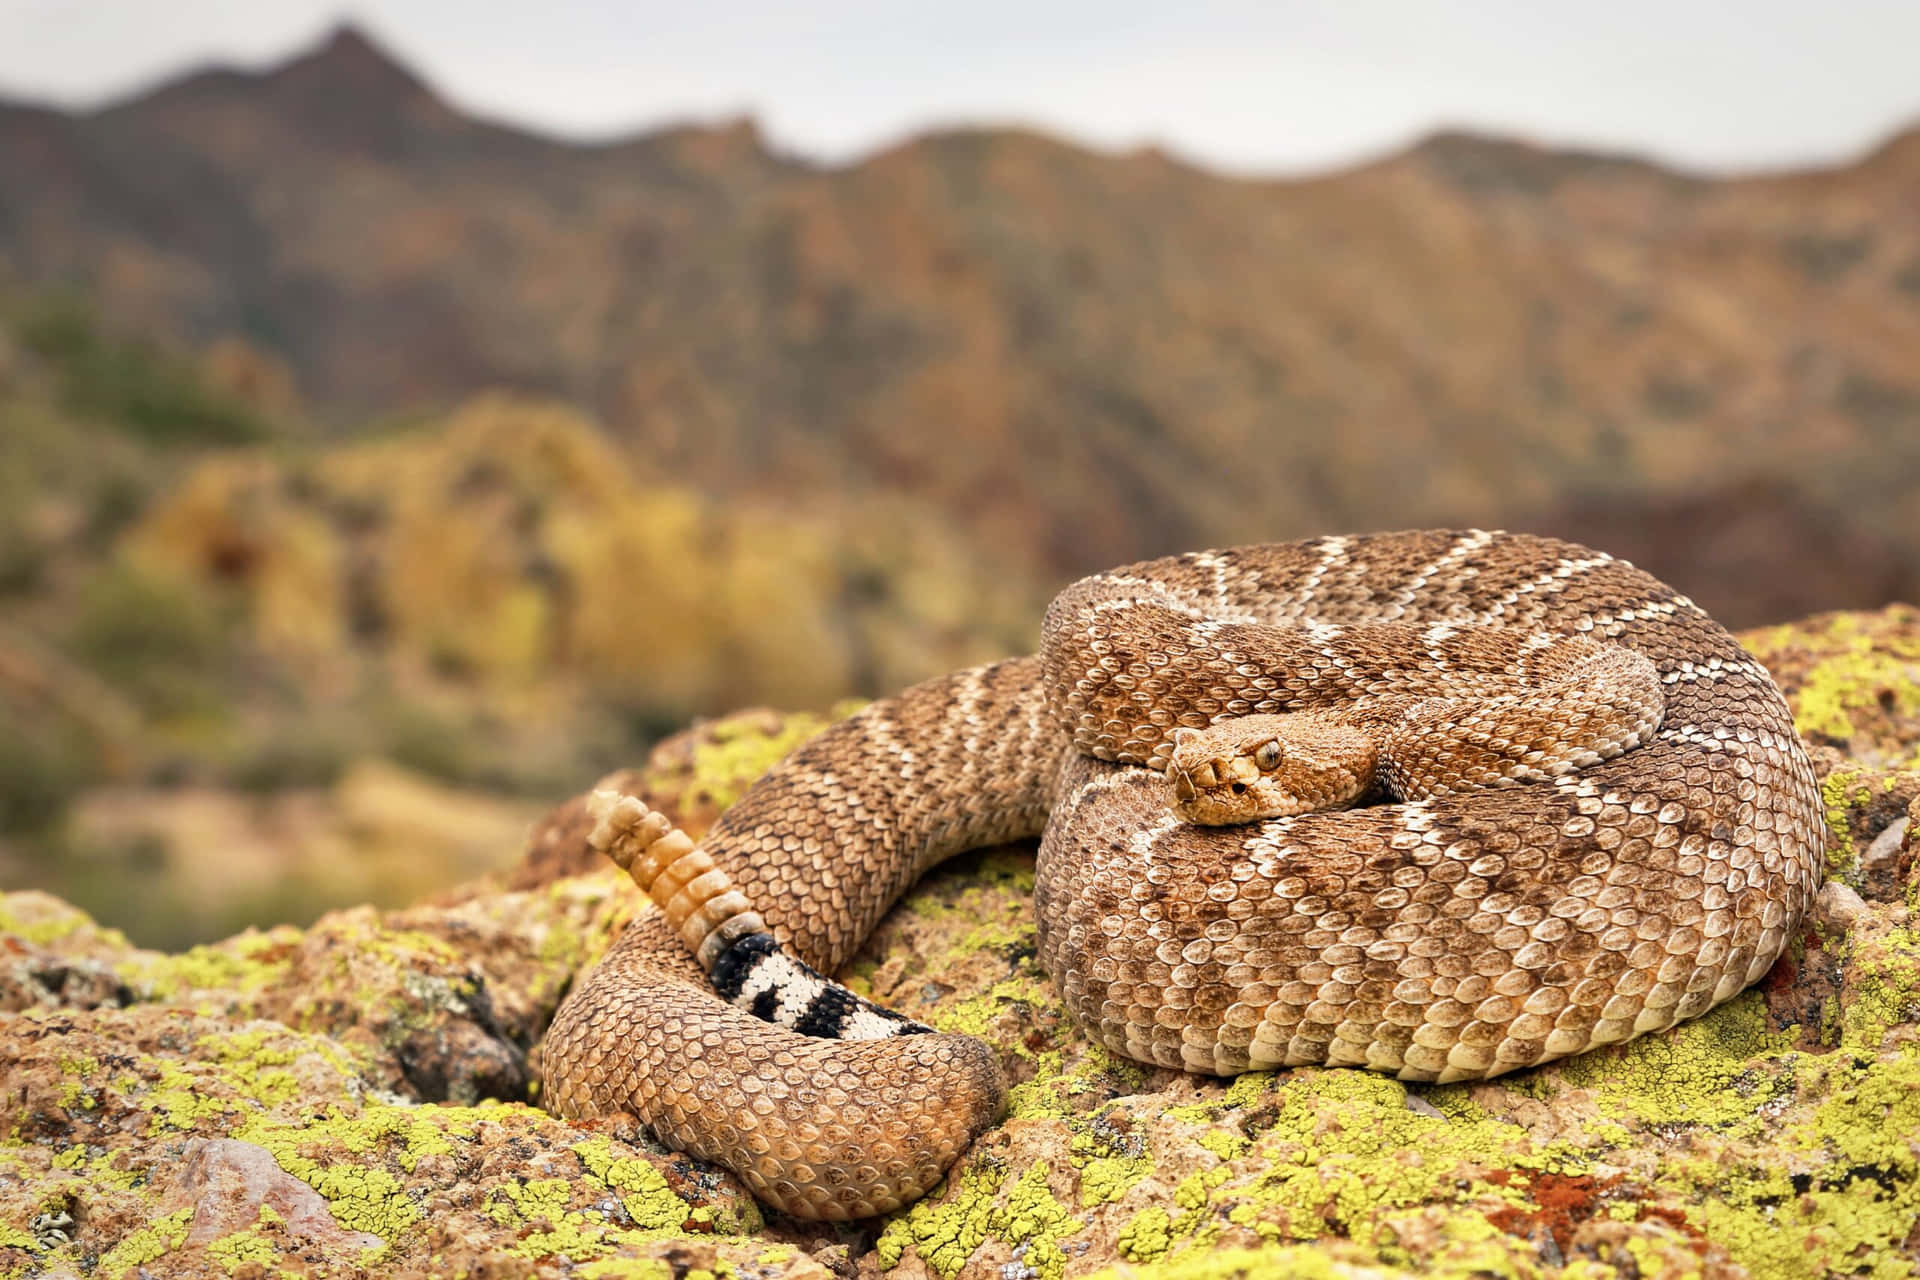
350,61
348,39
346,89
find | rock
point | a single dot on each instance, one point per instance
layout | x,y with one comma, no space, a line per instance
1853,679
382,1065
36,974
148,1127
1906,864
230,1185
1880,858
1838,906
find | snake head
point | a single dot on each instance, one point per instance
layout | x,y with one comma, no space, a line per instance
1273,766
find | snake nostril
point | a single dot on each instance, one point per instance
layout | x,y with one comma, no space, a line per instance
1239,788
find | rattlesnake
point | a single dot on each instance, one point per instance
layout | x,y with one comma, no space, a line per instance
1456,936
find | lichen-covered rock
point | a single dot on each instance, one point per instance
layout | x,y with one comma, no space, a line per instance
1853,680
352,1098
172,1143
146,1139
52,955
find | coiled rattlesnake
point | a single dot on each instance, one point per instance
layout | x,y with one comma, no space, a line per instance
1462,935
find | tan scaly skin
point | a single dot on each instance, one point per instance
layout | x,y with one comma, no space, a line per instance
1620,830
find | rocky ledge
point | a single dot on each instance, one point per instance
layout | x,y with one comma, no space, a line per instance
360,1097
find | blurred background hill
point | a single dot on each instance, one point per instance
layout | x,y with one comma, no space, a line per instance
372,474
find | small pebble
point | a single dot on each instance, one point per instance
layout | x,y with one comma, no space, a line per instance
1839,905
1420,1106
1886,845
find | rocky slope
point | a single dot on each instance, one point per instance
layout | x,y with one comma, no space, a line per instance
1078,358
353,1098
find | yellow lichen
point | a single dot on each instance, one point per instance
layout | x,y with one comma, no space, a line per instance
1245,1089
1720,1069
643,1189
75,1093
545,1225
1340,1153
1190,1197
1248,1088
1292,1261
231,1074
944,1232
1223,1144
1332,1166
1840,792
209,978
732,754
362,1197
569,1217
1146,1236
246,1247
1034,1222
43,920
997,884
976,1016
1883,989
631,1269
103,1168
177,1101
152,1241
1861,667
1105,1179
1842,1188
1029,1219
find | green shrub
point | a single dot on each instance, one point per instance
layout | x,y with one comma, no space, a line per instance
23,562
416,737
295,757
40,772
133,384
164,646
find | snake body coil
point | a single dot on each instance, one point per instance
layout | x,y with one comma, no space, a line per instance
1484,928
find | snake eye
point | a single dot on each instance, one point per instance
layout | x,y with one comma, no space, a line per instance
1268,755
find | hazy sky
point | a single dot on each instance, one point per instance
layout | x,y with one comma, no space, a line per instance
1269,87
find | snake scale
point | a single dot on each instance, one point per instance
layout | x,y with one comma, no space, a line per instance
1482,928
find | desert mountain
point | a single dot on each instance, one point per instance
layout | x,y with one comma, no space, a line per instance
1080,357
